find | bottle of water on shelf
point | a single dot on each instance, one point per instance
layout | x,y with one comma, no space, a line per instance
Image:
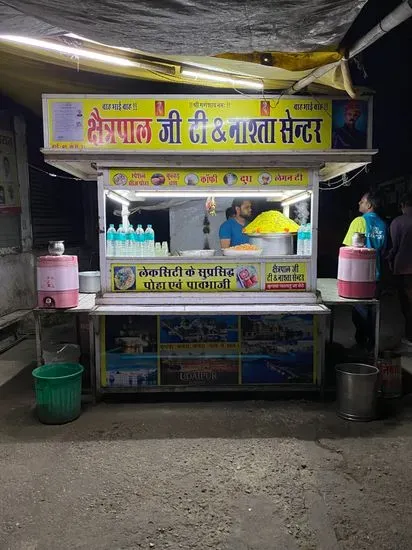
165,248
308,240
130,242
301,240
158,249
111,241
121,242
139,243
149,241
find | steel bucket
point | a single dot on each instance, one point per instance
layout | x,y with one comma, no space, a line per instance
357,391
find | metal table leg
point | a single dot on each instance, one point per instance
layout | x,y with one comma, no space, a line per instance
38,331
322,340
331,323
93,365
377,331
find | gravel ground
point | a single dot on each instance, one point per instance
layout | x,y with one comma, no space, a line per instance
242,475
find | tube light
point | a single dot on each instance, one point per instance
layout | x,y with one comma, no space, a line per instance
117,198
217,77
296,198
61,48
204,194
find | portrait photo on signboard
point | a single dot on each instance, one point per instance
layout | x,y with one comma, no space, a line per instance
349,124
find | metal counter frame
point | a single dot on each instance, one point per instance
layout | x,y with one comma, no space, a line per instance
231,161
328,289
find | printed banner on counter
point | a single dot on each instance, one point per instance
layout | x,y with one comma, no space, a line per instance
206,350
194,277
199,351
9,182
277,349
130,351
286,276
193,124
166,178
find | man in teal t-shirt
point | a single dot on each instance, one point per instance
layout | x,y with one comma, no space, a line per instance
375,231
371,225
230,232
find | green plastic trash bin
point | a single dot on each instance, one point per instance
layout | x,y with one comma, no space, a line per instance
58,392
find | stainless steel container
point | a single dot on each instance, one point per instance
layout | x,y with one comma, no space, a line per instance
274,244
357,391
89,282
56,248
359,240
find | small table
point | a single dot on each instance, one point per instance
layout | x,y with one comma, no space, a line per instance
86,304
328,289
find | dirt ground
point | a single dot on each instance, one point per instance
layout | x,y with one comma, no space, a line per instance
240,475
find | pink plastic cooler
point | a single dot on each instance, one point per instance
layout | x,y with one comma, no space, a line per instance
357,272
57,281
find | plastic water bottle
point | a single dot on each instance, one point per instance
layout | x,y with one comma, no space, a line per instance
301,240
140,241
165,248
111,241
121,242
130,242
149,241
307,250
158,249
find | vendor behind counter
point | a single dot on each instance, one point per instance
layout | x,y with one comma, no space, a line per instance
230,232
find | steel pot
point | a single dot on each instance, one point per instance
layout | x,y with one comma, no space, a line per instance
274,244
56,248
359,240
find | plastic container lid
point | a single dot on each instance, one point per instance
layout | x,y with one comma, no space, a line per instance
356,252
57,261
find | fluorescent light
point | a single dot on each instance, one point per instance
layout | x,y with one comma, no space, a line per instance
78,52
90,54
204,194
117,198
217,77
296,198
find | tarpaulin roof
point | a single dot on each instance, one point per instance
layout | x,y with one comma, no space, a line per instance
300,36
194,27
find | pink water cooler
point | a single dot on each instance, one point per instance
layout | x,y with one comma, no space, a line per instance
57,281
357,272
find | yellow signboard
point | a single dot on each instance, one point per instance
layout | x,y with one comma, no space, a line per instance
194,277
239,178
283,277
196,124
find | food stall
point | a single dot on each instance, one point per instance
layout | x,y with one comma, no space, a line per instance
176,312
